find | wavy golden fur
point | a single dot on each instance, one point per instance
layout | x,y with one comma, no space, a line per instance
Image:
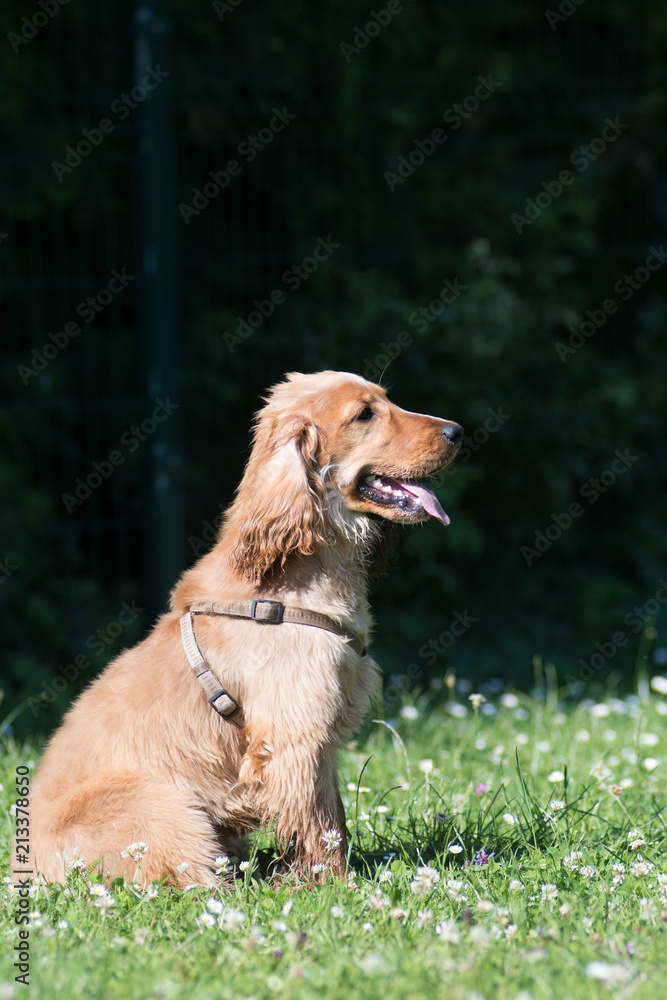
141,755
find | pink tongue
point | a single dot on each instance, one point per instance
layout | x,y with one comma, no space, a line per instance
428,500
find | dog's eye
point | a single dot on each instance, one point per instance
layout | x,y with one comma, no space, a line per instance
366,414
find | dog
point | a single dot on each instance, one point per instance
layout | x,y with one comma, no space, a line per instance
229,715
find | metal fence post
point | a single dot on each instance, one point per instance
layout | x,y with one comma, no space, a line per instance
165,520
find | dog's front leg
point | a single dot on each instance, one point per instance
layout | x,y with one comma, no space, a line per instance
296,785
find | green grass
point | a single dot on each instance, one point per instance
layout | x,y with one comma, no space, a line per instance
527,924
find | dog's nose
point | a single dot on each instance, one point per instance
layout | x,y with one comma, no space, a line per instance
453,433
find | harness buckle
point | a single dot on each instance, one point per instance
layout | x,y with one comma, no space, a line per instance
277,617
228,706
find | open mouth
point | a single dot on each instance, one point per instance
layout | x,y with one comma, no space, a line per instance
410,497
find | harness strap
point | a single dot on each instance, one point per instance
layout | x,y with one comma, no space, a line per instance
275,613
218,698
261,610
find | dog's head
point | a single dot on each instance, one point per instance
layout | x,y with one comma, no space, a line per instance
333,435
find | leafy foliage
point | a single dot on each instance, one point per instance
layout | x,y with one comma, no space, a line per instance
495,346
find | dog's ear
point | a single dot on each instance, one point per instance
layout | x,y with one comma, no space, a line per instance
280,504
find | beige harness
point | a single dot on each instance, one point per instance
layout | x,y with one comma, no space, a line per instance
262,610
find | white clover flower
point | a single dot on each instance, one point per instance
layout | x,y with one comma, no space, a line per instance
618,869
601,771
602,971
222,865
424,917
183,867
386,876
426,879
516,886
478,936
572,860
647,909
104,903
152,891
367,926
426,766
485,906
244,865
319,867
549,891
556,805
332,839
454,848
135,851
509,700
62,925
476,700
409,712
230,919
398,913
587,871
555,776
448,931
641,868
337,912
454,888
